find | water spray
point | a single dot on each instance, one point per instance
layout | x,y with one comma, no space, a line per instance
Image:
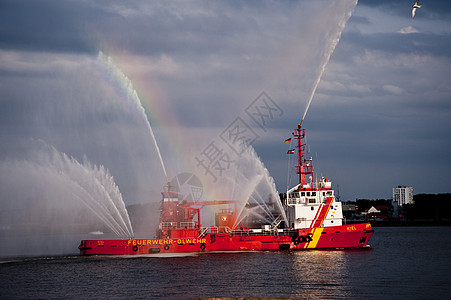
133,98
326,57
80,194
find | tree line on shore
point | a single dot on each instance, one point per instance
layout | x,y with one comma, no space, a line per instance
436,207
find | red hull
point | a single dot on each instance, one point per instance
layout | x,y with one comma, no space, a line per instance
335,237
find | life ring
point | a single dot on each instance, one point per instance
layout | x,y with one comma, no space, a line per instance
166,247
202,246
135,248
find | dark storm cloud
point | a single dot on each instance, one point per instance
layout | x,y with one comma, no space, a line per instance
211,59
46,25
172,29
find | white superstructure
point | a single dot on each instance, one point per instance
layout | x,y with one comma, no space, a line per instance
313,205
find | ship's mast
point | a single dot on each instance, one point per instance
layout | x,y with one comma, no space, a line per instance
304,166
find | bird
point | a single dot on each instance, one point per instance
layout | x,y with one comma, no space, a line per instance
414,9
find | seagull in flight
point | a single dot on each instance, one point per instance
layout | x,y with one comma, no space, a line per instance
414,9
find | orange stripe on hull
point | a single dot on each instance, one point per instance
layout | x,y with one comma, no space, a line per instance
323,211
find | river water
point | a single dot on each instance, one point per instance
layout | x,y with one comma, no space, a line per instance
403,263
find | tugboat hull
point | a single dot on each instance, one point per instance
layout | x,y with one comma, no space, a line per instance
336,237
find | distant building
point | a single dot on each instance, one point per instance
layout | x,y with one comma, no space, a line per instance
374,214
402,195
349,210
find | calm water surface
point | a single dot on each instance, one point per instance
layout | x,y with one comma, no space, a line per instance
403,263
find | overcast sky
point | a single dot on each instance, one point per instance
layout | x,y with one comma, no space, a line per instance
380,116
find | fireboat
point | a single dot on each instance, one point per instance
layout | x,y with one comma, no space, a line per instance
311,219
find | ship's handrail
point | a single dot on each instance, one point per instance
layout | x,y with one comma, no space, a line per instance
187,225
325,219
168,225
252,232
306,200
276,222
176,225
260,232
215,229
204,231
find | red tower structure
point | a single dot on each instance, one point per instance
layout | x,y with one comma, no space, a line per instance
304,166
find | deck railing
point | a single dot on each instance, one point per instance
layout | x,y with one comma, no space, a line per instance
176,225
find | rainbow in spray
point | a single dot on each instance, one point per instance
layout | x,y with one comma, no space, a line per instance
125,89
247,180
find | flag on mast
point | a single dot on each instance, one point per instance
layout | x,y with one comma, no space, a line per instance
290,151
288,140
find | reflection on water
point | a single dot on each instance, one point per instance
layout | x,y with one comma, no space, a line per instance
326,274
319,269
404,263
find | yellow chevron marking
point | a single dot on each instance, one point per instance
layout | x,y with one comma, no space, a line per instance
315,238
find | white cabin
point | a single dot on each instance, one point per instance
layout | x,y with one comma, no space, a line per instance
313,205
